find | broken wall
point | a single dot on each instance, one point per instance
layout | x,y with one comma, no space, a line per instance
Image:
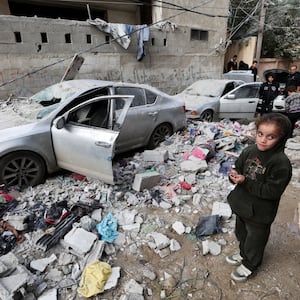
35,53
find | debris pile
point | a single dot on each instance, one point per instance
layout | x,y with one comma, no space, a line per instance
61,239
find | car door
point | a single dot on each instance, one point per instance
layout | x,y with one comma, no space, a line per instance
240,103
84,137
140,121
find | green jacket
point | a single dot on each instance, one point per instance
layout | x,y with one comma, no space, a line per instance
267,175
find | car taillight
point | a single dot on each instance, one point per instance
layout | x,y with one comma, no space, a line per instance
194,113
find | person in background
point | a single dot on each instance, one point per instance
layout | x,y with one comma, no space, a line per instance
253,69
243,65
261,174
293,78
268,91
232,64
292,106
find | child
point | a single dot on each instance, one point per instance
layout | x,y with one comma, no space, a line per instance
261,174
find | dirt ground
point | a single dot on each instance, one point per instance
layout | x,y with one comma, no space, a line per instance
208,277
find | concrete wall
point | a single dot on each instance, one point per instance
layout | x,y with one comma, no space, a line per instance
172,60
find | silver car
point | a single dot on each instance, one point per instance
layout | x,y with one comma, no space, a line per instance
202,98
83,132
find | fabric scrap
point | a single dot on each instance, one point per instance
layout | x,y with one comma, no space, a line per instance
108,228
93,278
208,225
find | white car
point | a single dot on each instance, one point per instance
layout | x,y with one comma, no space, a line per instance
241,102
203,96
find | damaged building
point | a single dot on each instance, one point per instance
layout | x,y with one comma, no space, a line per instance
166,44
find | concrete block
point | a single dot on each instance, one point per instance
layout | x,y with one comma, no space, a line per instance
174,245
155,155
161,240
86,239
145,180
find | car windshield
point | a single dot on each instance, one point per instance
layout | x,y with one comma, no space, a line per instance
208,88
55,93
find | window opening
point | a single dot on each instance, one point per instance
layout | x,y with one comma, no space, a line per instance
68,38
18,37
44,37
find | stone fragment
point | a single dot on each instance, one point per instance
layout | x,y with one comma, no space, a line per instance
193,165
145,180
86,239
96,252
49,295
41,264
161,240
210,247
97,215
174,245
126,216
149,274
178,227
132,287
221,209
113,278
155,155
131,199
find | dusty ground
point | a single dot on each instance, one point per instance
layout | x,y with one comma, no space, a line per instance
208,277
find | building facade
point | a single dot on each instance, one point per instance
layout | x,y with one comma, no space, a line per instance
183,42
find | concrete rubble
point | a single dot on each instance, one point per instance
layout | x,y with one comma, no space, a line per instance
186,176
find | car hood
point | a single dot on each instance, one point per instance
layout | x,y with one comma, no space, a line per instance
192,101
22,131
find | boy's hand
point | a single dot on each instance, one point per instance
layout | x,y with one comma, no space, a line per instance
235,177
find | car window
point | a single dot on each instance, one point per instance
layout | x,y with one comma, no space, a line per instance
150,97
95,114
248,91
229,87
139,94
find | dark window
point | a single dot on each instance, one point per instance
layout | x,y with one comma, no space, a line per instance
153,41
139,94
150,97
88,39
247,92
44,37
165,42
229,87
107,39
18,37
200,35
68,38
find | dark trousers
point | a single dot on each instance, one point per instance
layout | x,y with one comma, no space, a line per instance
294,117
253,238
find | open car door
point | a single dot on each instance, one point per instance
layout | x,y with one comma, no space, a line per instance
84,137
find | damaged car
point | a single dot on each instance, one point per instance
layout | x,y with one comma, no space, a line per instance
83,132
202,98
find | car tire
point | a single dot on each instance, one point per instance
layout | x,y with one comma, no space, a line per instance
207,116
22,169
159,134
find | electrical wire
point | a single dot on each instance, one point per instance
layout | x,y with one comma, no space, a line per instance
96,46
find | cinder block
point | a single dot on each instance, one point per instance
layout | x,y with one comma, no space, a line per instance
155,155
145,180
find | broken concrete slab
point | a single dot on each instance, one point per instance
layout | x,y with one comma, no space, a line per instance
42,263
146,180
86,239
155,155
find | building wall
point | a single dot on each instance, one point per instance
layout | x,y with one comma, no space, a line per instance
172,60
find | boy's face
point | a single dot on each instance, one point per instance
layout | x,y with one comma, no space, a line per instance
267,136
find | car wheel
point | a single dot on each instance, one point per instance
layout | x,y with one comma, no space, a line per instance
159,134
207,116
22,169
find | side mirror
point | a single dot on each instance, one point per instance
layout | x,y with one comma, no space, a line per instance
230,96
60,122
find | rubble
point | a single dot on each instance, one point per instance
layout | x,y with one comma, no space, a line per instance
151,209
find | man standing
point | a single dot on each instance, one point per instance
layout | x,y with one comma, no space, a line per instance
268,91
292,105
293,78
232,64
253,69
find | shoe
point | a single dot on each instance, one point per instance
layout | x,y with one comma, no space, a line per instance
241,273
234,259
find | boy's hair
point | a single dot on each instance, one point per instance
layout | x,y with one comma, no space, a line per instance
291,89
281,121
